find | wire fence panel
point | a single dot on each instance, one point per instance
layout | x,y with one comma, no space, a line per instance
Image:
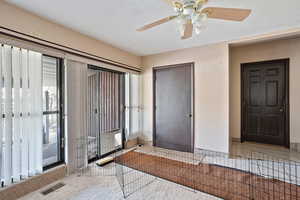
254,176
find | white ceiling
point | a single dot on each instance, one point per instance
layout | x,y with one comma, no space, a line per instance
115,21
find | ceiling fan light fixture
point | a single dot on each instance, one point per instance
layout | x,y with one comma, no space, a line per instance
199,18
182,20
195,17
181,29
200,22
199,28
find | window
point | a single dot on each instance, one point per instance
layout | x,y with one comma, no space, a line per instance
52,129
30,113
21,111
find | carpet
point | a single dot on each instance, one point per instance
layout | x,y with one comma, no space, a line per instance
223,182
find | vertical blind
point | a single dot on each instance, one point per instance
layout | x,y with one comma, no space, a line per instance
76,114
109,104
109,97
103,101
93,129
21,114
132,105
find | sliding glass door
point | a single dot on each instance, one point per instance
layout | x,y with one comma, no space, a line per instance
93,115
105,114
53,145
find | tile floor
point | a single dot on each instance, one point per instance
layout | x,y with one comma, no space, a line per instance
279,152
105,185
107,188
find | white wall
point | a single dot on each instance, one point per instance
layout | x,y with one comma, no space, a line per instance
211,93
17,19
277,49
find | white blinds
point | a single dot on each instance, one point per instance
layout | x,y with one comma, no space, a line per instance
132,104
21,114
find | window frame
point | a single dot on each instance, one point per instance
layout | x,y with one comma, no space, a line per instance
59,112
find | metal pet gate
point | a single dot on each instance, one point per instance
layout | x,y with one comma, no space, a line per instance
252,176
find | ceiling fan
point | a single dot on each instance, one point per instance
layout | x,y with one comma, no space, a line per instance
191,15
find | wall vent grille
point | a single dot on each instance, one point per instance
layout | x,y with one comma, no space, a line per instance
53,188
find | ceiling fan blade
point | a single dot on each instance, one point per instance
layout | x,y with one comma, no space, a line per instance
176,4
156,23
234,14
188,30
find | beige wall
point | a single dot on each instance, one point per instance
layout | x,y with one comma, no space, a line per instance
19,20
211,93
289,48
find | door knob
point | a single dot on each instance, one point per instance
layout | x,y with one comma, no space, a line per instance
281,109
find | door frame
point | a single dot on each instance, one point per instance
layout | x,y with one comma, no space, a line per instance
154,70
286,62
121,110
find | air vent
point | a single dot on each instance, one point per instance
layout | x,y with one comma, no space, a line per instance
53,188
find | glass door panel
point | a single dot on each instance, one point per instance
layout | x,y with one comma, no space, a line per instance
52,136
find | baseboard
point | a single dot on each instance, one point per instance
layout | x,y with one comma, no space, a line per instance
197,150
295,147
131,143
144,142
211,153
18,190
136,141
235,139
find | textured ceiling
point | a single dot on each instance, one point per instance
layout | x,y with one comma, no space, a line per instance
115,21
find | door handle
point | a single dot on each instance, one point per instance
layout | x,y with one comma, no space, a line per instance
190,115
281,110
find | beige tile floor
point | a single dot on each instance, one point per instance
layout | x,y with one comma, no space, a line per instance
104,185
97,184
279,152
107,188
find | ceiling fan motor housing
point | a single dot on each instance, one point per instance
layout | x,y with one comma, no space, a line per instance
189,7
188,2
188,11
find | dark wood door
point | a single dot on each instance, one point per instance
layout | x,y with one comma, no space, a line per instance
173,107
265,102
